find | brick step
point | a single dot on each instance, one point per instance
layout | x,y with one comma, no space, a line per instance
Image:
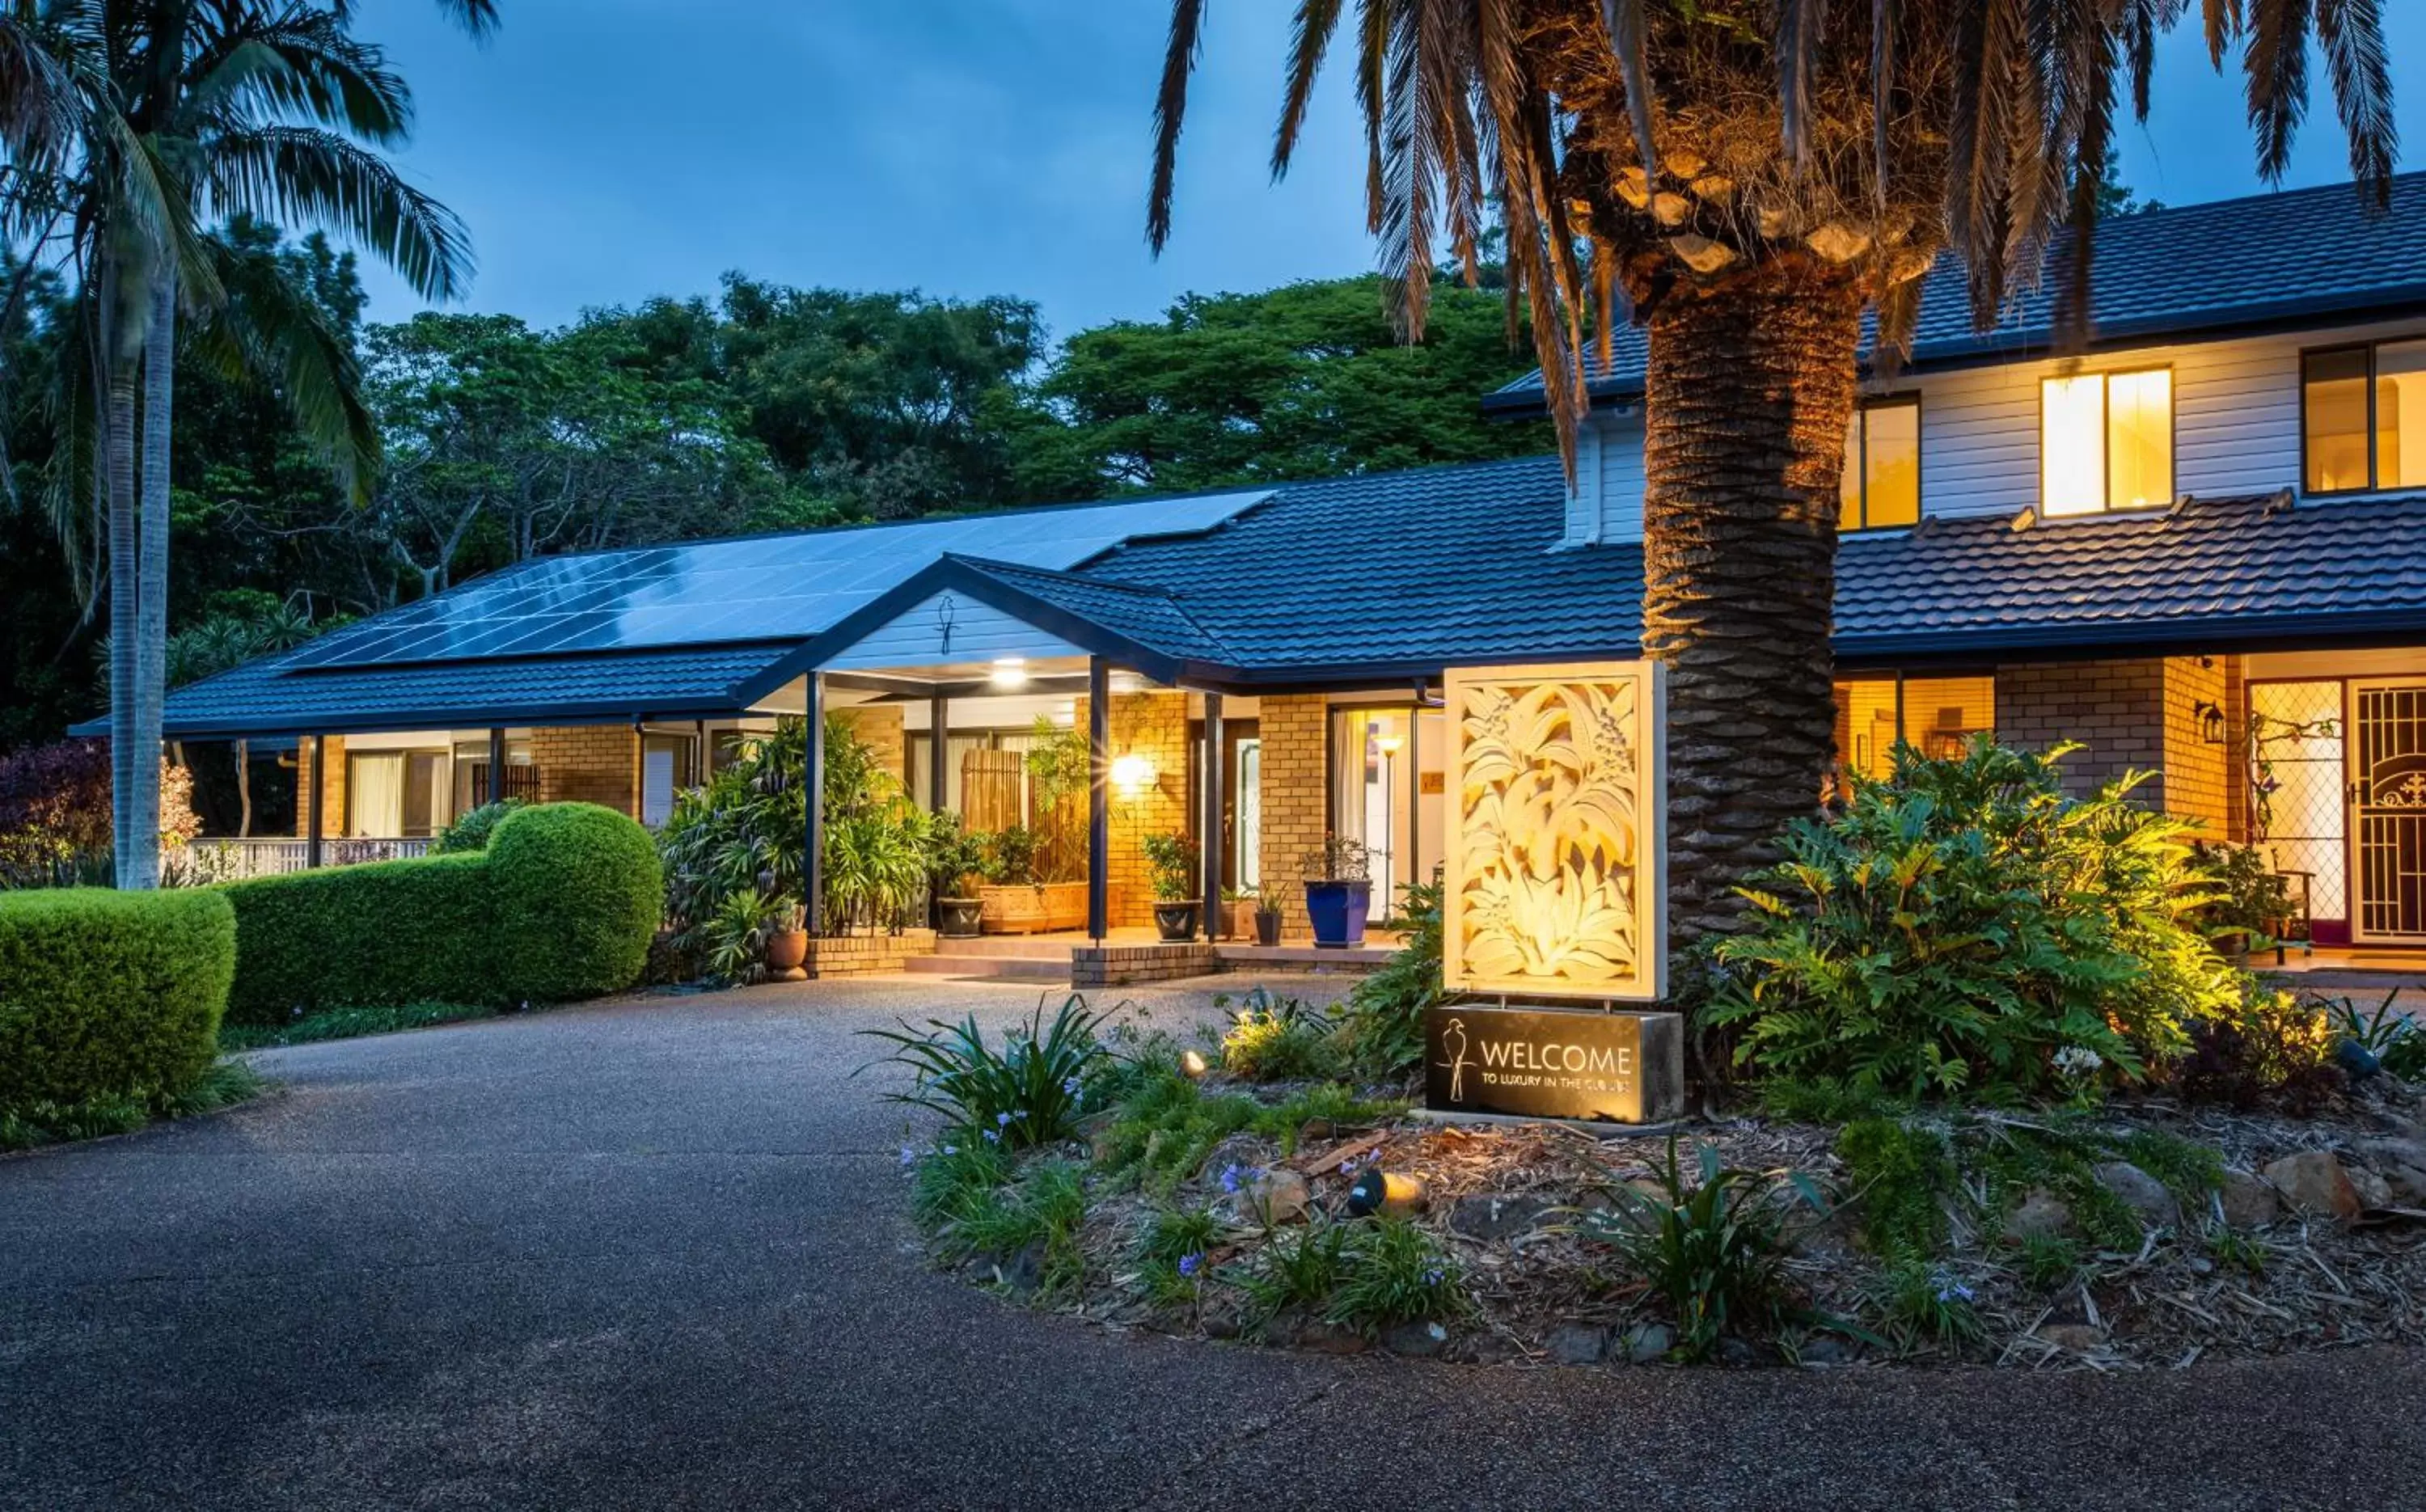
990,968
1005,947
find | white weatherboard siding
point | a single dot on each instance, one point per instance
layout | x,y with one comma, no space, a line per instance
2236,428
980,633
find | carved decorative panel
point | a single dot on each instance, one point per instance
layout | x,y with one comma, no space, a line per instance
1554,878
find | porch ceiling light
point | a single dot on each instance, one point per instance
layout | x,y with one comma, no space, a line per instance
1132,773
1009,672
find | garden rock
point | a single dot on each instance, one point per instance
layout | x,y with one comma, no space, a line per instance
2146,1197
2408,1184
1825,1351
1025,1271
1572,1343
1647,1342
2040,1215
1493,1215
2079,1338
2315,1183
1417,1341
2389,1155
2374,1190
2248,1201
1330,1338
1279,1196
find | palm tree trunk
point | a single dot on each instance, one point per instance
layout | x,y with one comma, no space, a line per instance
244,789
152,581
1748,393
119,438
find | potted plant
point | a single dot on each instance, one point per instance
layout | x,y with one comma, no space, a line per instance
1267,922
1171,863
1238,912
1017,900
954,859
1338,890
787,943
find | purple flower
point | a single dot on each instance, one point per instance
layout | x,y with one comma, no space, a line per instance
1434,1275
951,1150
1002,1120
1232,1178
909,1157
1191,1264
992,1137
1070,1087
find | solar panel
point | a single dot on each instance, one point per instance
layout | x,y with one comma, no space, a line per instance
764,588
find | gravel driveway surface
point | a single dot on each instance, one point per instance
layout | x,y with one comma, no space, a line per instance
651,1254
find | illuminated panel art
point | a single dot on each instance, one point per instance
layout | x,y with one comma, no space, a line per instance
1555,881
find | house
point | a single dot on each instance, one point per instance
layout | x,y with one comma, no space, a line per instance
2197,547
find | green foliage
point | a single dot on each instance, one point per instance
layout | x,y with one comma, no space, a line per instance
1298,1271
1060,766
1026,1094
110,995
1042,1211
1960,923
1282,1040
472,827
1008,857
561,905
1925,1305
1170,1256
350,1024
25,1126
2049,1261
1899,1175
1714,1249
954,855
1393,1272
1385,1012
952,1180
2279,1052
732,939
1164,1125
2248,902
2387,1034
1171,867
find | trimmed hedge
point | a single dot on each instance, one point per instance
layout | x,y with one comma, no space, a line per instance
561,905
110,995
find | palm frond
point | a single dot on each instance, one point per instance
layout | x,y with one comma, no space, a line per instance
1798,38
303,175
270,325
2352,35
1169,112
1309,40
1373,54
1628,40
1886,17
2276,64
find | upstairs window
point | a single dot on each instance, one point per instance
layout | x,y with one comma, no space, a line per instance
1882,483
2364,417
2106,441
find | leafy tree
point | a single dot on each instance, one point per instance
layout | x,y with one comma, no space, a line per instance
1749,178
1306,380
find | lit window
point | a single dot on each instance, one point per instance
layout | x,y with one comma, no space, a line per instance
2361,403
1882,480
2106,441
1937,716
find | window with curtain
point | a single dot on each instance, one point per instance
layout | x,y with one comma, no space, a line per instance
1936,714
1882,483
375,795
2364,417
2106,441
664,771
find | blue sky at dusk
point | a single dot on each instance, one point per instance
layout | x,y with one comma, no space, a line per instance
606,151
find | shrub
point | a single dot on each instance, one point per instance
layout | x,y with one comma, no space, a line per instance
55,815
561,905
1897,1174
2247,900
1393,1272
2279,1049
472,827
1280,1039
1041,1213
1385,1012
1956,925
1172,868
1026,1094
575,889
110,995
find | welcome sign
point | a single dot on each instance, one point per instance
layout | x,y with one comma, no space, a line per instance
1554,1063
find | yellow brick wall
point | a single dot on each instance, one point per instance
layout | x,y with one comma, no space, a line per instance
1294,731
589,763
333,797
2199,781
1154,725
880,726
2137,715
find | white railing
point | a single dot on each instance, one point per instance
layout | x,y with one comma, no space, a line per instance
227,859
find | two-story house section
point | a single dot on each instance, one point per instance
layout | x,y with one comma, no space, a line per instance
2193,546
2197,547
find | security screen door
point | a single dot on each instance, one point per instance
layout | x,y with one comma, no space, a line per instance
2388,808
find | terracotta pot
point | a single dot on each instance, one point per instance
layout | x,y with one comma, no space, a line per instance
786,949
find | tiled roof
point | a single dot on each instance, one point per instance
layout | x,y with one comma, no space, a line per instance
268,695
1150,616
2305,253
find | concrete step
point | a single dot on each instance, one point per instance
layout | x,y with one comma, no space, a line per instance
990,968
1005,947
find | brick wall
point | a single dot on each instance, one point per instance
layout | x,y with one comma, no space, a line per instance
1295,743
333,797
880,726
2142,714
589,763
1154,725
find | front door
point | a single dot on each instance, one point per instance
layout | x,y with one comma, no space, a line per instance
2388,808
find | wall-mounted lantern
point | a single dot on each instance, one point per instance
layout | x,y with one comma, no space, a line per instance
2211,718
1132,774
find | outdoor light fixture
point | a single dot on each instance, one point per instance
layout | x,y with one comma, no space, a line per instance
1380,1191
1009,672
1192,1065
1386,737
2211,718
1132,774
1127,683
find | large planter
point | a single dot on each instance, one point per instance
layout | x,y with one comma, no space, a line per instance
1339,911
1175,921
1239,918
786,950
959,918
1268,929
1033,908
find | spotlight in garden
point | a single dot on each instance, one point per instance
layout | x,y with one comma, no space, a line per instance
1379,1191
1192,1065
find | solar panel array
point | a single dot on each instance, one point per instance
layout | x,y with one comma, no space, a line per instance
764,587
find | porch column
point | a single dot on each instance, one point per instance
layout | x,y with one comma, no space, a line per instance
1099,811
813,777
1212,838
939,717
319,786
496,763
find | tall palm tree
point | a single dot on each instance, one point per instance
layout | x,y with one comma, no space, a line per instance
269,108
1746,178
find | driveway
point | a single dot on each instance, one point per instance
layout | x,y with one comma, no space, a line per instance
649,1254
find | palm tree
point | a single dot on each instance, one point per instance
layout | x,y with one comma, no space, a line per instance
1746,179
263,108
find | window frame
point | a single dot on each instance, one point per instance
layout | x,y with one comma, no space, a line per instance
1862,406
2374,463
2106,376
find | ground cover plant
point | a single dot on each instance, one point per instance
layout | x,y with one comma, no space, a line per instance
350,1024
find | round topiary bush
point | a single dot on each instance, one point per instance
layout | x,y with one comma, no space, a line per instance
106,993
577,894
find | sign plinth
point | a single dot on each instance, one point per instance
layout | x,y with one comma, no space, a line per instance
1554,1063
